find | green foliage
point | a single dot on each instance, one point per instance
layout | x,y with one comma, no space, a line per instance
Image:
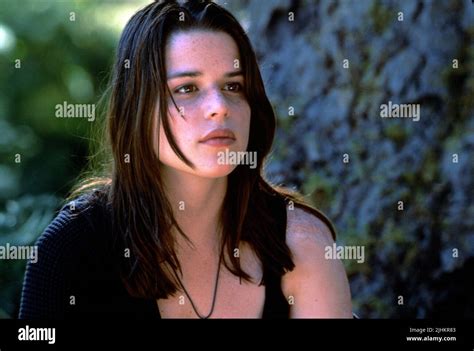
50,52
21,221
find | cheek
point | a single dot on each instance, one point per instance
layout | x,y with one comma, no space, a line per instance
182,132
163,146
248,114
245,112
163,142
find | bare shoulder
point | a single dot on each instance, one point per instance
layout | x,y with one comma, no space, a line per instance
304,228
319,286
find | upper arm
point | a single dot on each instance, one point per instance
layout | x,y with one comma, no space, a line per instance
47,282
319,286
44,282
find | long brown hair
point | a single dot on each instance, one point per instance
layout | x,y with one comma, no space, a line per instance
141,214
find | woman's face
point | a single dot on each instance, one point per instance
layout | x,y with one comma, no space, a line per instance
205,78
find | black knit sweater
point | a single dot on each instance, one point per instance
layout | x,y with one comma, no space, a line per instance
76,272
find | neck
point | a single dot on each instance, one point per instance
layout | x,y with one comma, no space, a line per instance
197,204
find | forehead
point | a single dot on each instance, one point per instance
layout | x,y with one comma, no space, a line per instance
201,50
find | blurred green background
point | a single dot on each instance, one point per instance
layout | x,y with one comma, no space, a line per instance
65,51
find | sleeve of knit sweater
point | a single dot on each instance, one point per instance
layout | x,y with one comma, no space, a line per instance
47,282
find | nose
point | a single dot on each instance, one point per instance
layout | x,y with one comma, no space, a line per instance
216,105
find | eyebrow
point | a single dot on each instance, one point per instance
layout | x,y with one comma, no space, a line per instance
198,73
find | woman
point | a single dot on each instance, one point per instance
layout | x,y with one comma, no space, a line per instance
185,225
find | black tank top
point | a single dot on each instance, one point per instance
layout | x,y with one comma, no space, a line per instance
75,275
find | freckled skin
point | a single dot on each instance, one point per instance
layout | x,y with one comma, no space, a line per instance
208,101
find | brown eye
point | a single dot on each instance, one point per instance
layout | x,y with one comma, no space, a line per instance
234,87
186,89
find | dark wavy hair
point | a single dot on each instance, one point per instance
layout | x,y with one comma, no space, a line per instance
141,214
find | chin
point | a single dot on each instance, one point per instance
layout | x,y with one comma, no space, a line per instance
218,171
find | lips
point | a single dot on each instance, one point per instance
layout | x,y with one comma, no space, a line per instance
219,136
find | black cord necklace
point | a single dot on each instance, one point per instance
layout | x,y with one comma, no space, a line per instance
215,290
